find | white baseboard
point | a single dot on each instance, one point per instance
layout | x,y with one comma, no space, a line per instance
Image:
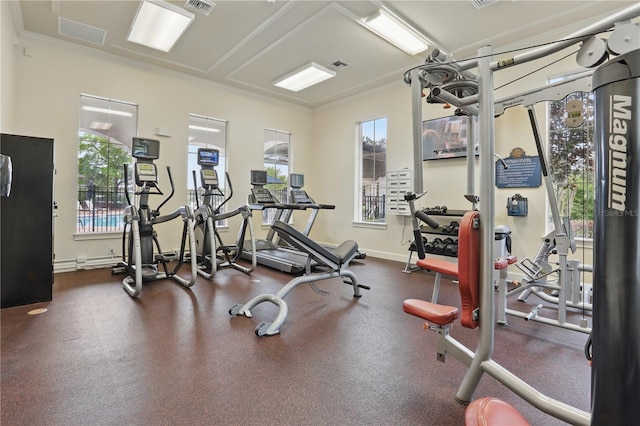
82,264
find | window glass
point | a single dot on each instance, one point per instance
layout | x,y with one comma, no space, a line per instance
105,132
572,161
373,169
206,132
276,163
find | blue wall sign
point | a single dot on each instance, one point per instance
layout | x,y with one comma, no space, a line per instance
522,172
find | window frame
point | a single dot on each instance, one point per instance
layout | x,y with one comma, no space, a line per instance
115,129
273,140
200,138
377,206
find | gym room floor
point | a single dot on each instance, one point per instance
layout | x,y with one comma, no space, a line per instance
174,356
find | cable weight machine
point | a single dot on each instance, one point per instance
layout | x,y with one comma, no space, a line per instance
616,309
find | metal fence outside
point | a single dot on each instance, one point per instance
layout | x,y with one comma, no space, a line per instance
373,208
100,209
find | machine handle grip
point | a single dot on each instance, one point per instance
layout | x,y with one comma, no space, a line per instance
126,183
173,189
195,189
427,219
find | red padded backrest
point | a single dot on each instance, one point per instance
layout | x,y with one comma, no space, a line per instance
469,269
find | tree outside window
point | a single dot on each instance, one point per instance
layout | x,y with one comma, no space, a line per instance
572,160
104,146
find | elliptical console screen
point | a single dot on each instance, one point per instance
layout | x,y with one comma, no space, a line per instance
145,149
208,157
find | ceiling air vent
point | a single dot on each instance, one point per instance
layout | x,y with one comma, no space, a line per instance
481,4
201,6
339,64
83,32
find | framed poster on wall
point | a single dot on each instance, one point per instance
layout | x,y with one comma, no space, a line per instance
446,137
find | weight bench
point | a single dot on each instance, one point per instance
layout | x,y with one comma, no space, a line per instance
440,267
335,261
440,317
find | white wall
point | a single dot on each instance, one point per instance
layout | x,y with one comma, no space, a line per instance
324,147
50,82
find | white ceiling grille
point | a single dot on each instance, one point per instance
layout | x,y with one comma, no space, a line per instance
79,31
201,6
480,4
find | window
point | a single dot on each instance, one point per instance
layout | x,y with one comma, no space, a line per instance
373,169
572,160
206,132
104,144
276,163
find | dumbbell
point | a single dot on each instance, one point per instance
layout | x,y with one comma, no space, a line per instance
455,227
439,246
412,246
429,247
451,228
451,249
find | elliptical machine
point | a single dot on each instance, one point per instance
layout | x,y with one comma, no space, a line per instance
139,259
212,254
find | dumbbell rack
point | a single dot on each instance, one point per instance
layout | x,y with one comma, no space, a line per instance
441,231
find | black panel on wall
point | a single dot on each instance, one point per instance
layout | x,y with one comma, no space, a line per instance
26,222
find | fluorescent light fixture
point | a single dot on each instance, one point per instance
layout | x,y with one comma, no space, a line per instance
107,111
397,32
206,129
159,24
99,125
304,77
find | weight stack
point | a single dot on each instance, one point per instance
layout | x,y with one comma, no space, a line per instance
615,376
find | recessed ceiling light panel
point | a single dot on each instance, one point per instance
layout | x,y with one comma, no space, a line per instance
304,77
159,24
397,32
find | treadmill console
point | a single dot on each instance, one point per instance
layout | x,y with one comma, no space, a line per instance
262,195
300,196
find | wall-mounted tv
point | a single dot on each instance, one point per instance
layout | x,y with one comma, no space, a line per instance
447,137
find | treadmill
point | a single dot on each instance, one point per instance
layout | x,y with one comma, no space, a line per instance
269,252
299,197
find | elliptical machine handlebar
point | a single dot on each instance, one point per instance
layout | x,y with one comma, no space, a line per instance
126,183
173,190
226,174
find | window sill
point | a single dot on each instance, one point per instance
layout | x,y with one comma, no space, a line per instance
370,225
85,236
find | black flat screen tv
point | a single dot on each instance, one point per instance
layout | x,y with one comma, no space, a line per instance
446,137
